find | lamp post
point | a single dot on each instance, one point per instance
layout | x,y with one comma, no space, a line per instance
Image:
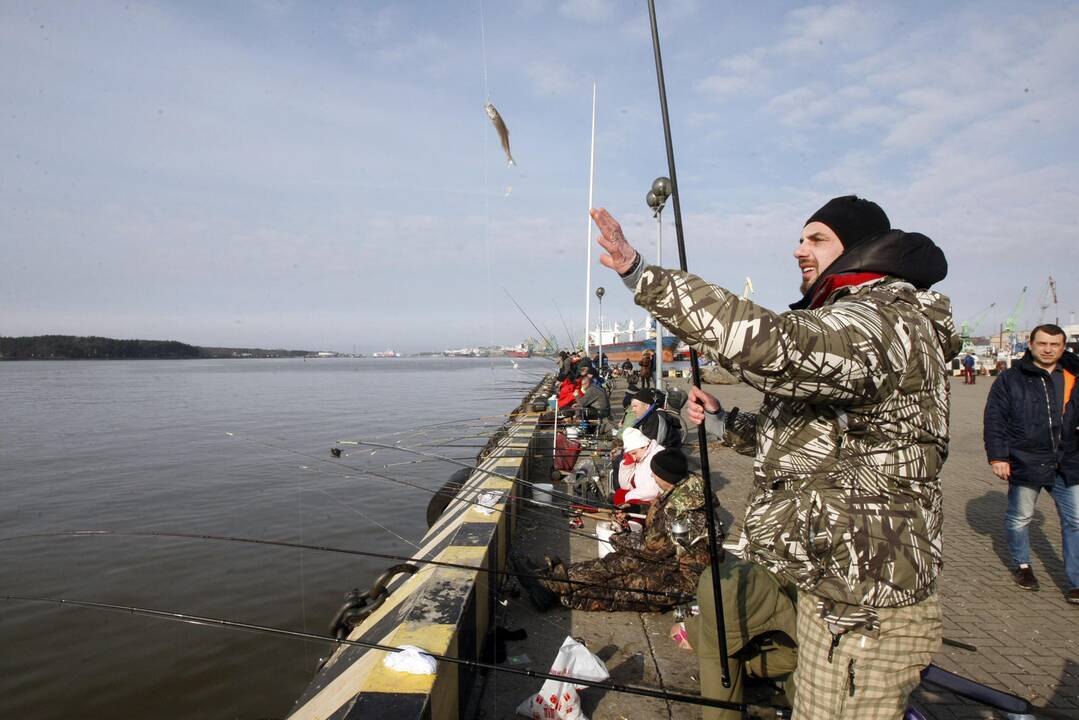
599,335
657,200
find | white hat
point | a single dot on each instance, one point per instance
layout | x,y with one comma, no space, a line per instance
634,439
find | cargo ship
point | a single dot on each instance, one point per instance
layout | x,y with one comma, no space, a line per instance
628,343
518,351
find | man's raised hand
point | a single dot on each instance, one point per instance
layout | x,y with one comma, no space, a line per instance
620,254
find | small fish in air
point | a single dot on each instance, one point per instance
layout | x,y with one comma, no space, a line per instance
503,132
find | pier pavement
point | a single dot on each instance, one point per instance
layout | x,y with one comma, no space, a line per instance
1027,642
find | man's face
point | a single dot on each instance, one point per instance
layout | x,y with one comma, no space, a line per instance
819,248
638,407
1047,349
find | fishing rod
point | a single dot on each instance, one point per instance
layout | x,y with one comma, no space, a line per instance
460,495
545,340
332,549
564,325
759,710
421,453
694,361
477,492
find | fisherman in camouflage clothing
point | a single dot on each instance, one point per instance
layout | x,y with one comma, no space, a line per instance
849,441
654,560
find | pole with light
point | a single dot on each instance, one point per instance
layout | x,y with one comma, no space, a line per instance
599,334
657,200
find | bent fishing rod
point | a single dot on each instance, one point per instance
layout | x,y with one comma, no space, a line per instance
213,622
331,549
694,361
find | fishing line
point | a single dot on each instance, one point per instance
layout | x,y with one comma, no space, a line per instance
160,534
281,632
358,512
303,585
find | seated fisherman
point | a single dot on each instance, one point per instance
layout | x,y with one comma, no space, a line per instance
655,422
759,617
636,482
653,560
567,393
592,402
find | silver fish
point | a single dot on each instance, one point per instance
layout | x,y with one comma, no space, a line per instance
503,132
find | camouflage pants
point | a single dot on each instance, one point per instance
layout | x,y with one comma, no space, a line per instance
621,575
865,678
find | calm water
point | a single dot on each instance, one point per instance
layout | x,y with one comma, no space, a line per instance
143,446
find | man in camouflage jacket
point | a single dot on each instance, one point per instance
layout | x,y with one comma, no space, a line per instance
849,441
654,560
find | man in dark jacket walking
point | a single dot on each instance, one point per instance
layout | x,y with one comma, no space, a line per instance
1032,442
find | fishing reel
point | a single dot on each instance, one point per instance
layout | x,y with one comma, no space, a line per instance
680,535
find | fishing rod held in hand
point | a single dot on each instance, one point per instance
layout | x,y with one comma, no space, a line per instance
694,361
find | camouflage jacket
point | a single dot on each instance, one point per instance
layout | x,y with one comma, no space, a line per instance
646,561
849,441
686,503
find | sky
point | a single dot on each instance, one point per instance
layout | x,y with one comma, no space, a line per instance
323,176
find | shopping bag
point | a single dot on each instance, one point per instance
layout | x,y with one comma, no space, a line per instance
561,700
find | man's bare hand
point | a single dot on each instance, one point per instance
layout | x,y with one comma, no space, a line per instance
699,402
620,254
1001,468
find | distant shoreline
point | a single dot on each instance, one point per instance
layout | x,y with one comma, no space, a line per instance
73,347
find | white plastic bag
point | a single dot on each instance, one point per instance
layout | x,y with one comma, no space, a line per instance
411,659
558,700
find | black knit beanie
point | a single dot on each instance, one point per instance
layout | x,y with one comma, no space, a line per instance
670,465
645,395
852,219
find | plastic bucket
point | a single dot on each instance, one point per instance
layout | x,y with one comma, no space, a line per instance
604,530
541,492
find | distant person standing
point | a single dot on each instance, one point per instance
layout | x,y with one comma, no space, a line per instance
646,369
1032,442
968,369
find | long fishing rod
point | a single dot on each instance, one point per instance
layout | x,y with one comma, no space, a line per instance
552,493
760,710
330,549
564,325
545,340
459,496
444,422
694,362
479,492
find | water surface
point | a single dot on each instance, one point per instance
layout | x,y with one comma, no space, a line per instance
143,445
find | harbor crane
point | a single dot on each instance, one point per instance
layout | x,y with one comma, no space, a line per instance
1049,297
1010,323
969,327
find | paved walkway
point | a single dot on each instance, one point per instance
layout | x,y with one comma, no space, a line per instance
1027,643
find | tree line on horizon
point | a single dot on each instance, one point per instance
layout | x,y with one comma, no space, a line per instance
72,347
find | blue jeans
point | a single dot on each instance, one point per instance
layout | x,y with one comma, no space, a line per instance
1021,501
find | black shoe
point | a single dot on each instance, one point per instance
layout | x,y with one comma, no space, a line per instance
539,595
1072,596
1024,577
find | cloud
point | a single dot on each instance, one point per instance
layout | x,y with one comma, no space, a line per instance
588,10
551,77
